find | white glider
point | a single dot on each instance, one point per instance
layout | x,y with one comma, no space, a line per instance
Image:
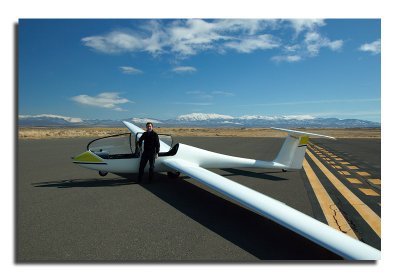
119,154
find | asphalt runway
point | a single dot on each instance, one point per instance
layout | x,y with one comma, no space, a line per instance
65,213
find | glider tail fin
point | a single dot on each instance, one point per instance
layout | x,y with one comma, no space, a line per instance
294,148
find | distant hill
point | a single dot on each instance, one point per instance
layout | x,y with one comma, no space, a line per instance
200,120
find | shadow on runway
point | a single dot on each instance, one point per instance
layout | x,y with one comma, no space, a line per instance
253,233
254,174
77,183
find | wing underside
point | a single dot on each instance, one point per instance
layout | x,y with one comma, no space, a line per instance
312,229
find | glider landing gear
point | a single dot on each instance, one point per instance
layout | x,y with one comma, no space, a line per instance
173,174
284,170
103,173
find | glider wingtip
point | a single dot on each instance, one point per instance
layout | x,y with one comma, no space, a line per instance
294,132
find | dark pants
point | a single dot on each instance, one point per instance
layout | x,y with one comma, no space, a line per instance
143,161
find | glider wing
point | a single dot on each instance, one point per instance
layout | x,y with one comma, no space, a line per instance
312,229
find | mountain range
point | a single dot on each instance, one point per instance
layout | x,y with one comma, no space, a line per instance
200,120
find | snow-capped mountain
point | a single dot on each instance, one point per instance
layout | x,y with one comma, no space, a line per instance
202,120
52,116
47,119
202,117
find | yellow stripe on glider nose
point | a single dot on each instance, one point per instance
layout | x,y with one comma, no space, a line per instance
88,157
303,140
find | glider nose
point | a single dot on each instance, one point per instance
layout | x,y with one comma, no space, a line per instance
88,157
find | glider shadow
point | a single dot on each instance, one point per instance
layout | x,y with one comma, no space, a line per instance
251,232
78,183
248,173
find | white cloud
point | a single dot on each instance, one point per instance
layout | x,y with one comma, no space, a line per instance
250,44
115,42
299,25
308,46
374,47
66,118
314,42
108,100
248,26
188,37
130,70
286,58
184,69
145,120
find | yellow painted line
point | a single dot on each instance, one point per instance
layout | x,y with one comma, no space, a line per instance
337,167
344,172
332,214
363,173
353,167
369,192
375,181
354,180
345,163
372,219
339,159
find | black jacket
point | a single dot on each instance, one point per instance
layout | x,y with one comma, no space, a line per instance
151,142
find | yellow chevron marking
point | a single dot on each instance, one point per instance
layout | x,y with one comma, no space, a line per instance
368,192
375,181
354,180
363,173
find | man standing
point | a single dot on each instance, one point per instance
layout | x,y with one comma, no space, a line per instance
151,149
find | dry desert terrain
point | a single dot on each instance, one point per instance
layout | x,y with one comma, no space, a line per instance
50,133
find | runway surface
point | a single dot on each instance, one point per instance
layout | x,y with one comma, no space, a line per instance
67,213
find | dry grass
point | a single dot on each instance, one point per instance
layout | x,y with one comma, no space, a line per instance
51,133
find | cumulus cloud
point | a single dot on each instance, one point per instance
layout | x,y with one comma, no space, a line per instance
308,45
184,69
374,47
115,42
314,42
286,58
130,70
188,37
108,100
300,25
250,44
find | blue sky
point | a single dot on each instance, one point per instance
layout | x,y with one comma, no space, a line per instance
114,69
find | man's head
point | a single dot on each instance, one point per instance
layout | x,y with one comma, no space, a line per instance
149,126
